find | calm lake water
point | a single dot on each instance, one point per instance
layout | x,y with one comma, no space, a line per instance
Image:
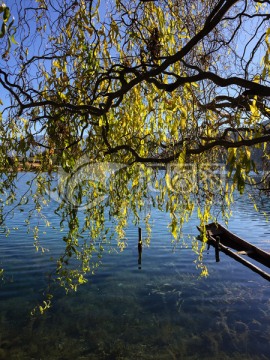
164,310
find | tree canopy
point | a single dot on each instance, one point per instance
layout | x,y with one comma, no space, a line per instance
112,87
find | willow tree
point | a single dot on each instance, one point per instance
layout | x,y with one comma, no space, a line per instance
110,88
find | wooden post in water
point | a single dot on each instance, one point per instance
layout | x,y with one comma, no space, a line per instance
217,248
139,248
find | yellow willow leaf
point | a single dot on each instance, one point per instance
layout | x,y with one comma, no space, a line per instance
135,182
190,207
174,228
204,272
259,6
62,96
168,180
256,78
183,122
124,211
174,129
163,137
89,30
253,108
56,64
183,36
183,111
182,157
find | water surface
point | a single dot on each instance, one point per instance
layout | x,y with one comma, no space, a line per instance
161,310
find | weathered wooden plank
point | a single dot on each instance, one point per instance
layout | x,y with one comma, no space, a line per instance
224,240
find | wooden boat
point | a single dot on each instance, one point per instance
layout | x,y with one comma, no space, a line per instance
224,240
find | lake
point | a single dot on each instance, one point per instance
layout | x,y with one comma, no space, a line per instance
161,309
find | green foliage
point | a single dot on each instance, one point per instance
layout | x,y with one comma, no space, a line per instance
7,29
102,95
